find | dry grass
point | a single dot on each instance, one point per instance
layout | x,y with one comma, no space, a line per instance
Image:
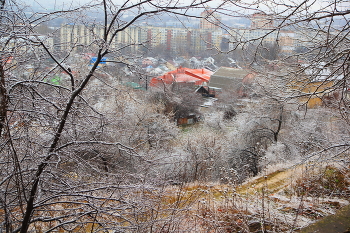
323,181
281,201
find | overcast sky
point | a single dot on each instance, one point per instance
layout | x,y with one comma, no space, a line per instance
265,6
54,3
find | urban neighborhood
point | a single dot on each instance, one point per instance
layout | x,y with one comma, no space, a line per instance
162,116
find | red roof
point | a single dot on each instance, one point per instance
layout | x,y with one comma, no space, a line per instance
183,75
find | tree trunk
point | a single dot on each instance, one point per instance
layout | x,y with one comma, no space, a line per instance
3,100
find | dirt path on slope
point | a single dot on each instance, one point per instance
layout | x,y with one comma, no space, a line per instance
272,182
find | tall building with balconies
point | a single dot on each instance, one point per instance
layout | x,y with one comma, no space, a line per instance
177,39
79,36
210,20
261,20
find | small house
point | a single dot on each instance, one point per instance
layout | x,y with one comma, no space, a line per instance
196,77
235,79
188,120
227,77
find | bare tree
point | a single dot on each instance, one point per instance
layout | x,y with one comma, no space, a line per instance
56,150
67,164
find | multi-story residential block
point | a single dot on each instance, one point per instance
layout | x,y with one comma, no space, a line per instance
261,20
262,30
287,42
242,36
210,20
175,39
78,36
181,39
130,36
25,45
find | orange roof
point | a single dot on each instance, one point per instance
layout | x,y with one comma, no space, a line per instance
183,75
8,60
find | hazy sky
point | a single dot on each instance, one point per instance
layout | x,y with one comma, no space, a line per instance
49,5
266,6
54,3
59,3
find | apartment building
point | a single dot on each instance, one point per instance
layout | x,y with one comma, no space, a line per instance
262,30
25,45
261,20
210,20
79,36
180,39
175,39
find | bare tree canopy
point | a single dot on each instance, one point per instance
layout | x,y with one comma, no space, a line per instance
81,151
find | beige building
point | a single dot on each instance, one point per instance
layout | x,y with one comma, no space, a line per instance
78,36
181,39
210,20
262,29
247,36
261,20
26,45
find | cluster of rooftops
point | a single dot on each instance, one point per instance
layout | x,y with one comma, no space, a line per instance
222,78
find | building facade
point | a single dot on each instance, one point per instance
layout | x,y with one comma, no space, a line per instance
210,20
172,38
78,36
179,40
